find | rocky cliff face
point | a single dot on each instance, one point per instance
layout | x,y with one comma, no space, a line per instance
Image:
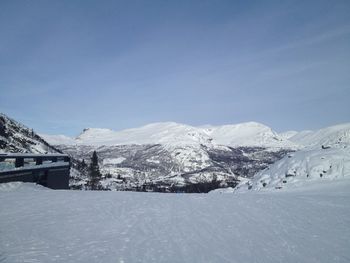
15,137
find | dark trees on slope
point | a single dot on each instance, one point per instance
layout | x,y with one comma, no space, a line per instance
94,173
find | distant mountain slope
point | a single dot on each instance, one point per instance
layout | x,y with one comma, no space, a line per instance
167,133
288,134
250,134
326,156
15,137
333,135
57,139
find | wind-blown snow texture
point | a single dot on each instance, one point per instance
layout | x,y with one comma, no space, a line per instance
309,225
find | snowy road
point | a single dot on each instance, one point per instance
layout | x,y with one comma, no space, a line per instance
39,225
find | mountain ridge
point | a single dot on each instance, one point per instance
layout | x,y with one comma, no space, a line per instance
168,133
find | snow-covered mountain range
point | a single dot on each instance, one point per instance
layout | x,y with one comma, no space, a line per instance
171,153
177,154
240,151
250,134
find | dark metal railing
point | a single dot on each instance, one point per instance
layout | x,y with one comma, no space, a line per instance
51,170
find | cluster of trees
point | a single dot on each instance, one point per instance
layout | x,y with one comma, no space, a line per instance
92,172
190,187
95,174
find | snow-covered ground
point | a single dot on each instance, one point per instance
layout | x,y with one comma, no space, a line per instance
304,225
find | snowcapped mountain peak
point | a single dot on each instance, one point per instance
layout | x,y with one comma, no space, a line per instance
166,133
248,134
175,134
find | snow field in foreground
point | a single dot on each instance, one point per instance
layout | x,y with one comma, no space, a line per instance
308,225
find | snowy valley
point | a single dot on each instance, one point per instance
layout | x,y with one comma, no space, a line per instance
175,157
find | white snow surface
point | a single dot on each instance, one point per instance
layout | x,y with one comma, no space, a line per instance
39,225
300,168
247,134
113,160
288,134
326,156
174,134
333,135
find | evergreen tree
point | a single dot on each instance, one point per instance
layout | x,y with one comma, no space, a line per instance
94,172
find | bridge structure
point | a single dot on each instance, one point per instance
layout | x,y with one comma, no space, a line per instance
50,170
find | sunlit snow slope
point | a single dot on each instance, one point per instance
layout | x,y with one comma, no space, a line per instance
326,157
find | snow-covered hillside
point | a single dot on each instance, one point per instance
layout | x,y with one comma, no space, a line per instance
333,135
168,133
40,225
250,134
15,137
288,134
326,157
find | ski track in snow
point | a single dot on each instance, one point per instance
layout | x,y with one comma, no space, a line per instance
39,225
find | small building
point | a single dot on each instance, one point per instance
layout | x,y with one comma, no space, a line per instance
49,170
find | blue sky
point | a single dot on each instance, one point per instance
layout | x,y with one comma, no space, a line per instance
68,65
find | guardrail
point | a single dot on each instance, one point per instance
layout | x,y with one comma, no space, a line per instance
50,170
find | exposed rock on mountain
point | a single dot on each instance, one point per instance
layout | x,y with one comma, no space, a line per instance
15,137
